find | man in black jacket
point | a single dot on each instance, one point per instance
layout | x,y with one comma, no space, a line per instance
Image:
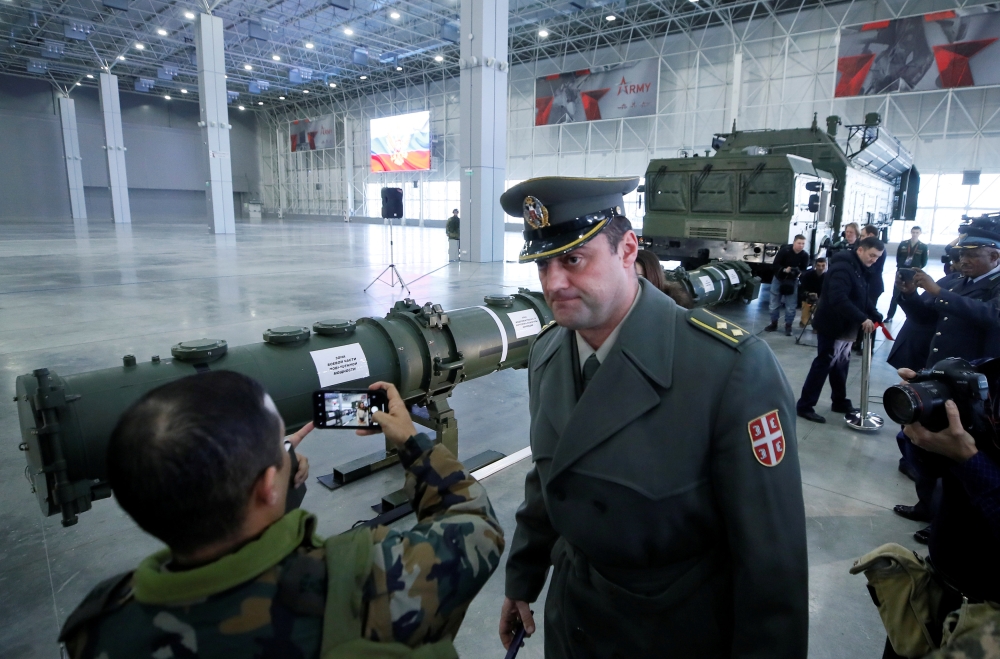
789,263
846,307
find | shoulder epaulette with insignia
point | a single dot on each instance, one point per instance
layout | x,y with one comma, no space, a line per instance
721,328
547,327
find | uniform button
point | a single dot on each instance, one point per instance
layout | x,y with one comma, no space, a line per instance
601,506
937,334
935,350
946,318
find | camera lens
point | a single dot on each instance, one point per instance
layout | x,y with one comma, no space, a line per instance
901,403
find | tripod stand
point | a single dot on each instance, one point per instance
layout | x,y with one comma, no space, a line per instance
391,269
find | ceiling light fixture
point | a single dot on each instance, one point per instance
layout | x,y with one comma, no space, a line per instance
248,67
394,15
543,33
362,77
305,91
139,46
79,84
189,15
438,58
610,17
184,91
310,45
167,97
348,31
281,98
260,102
121,58
399,68
242,108
90,75
333,84
161,32
276,58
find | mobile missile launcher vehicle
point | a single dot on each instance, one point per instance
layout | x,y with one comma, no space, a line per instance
762,187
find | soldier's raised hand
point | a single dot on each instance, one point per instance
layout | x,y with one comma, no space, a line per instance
396,423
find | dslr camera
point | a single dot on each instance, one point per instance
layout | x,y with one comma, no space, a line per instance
922,398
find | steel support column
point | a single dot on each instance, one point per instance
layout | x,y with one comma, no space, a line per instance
214,122
348,168
71,152
483,127
115,147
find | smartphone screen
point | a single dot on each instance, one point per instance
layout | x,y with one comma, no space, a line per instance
347,408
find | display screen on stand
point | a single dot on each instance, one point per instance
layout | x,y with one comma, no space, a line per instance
401,143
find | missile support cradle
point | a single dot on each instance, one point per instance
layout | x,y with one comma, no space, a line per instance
66,420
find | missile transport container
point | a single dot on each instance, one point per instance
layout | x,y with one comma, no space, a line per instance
762,187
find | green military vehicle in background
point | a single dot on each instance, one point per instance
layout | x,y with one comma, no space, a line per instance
762,187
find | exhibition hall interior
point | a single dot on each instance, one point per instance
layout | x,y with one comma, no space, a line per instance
308,194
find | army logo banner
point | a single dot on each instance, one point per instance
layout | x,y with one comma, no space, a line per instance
940,50
604,92
767,439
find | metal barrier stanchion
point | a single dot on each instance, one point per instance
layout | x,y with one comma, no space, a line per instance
863,419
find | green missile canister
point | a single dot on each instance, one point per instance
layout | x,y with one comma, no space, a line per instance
718,282
66,420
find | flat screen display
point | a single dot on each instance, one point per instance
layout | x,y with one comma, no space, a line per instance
401,143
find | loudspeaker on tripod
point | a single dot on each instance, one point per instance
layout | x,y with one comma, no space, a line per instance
392,202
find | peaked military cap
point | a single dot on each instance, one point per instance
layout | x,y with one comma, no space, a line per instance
562,213
980,232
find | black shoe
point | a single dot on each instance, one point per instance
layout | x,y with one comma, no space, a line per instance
788,329
846,408
773,327
917,513
923,536
811,416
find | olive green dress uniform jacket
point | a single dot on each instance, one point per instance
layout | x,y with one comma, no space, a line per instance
666,534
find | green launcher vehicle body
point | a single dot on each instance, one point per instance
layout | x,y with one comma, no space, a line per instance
763,187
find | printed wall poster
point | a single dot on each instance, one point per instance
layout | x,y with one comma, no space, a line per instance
401,143
609,92
940,50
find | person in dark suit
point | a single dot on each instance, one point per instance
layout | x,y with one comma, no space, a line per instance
665,494
875,284
910,254
846,308
452,227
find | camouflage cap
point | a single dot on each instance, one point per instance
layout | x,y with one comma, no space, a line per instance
562,213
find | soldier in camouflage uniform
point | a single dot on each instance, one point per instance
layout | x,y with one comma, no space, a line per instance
280,590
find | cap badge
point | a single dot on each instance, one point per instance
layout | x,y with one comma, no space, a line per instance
535,214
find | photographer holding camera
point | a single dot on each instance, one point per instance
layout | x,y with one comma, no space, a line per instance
789,263
201,463
811,285
950,413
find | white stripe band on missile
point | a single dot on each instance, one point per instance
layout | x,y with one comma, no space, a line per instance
503,333
494,467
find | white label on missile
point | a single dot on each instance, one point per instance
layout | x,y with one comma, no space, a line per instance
707,283
340,364
525,323
733,277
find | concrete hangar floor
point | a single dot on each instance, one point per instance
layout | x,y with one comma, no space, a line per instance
76,297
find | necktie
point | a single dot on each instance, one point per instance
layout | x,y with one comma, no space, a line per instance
589,369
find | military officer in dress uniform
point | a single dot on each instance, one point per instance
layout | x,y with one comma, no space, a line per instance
963,307
665,493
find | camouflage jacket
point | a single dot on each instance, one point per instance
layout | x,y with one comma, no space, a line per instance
268,598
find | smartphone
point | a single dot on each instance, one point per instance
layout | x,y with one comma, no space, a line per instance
906,274
348,408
